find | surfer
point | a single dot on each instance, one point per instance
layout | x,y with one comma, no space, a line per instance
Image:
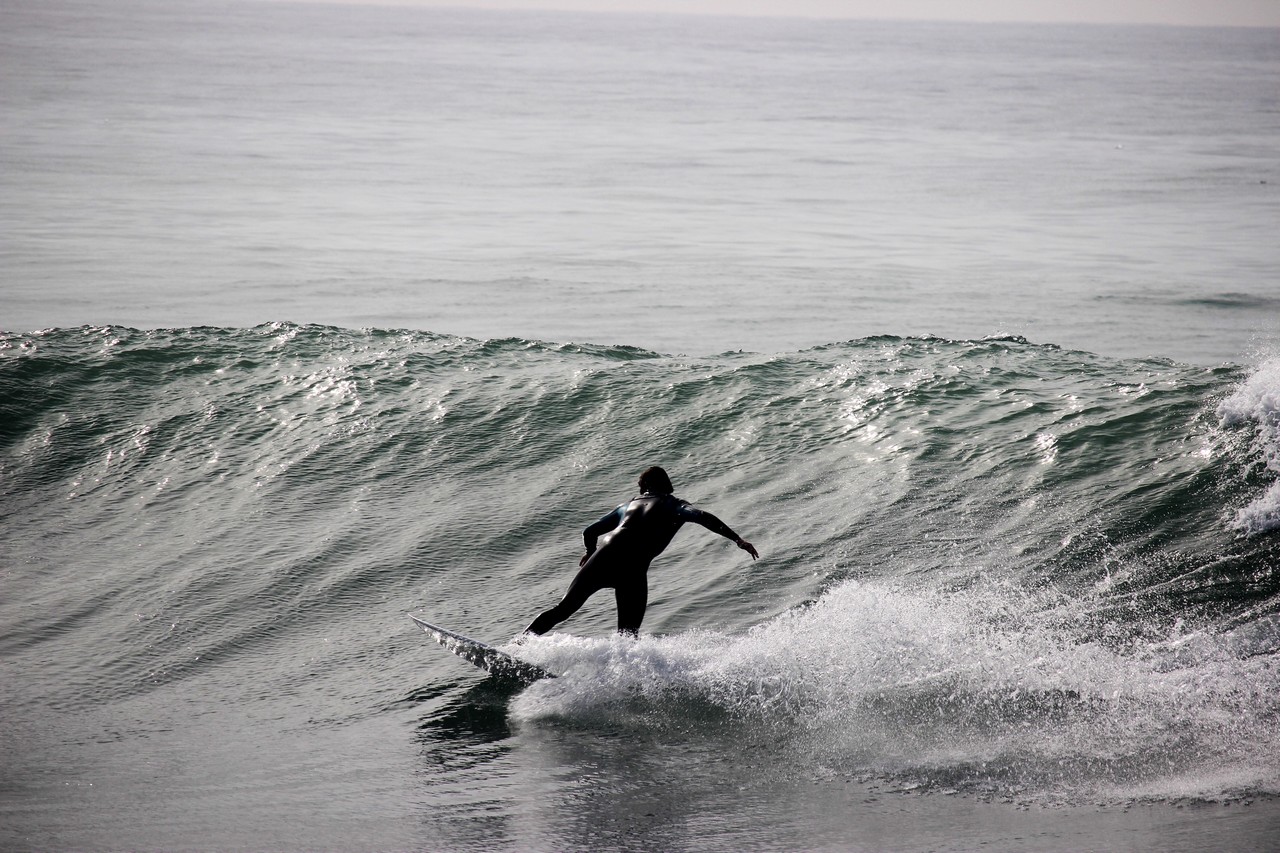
639,530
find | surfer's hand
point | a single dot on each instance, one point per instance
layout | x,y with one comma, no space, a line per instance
748,547
585,557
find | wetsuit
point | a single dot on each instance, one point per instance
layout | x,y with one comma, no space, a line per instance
642,529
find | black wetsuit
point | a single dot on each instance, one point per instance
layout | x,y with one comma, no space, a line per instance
642,529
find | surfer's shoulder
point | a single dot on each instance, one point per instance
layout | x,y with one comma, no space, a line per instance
682,507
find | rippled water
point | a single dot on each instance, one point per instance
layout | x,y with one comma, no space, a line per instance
682,184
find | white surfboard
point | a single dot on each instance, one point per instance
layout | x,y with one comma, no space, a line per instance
496,663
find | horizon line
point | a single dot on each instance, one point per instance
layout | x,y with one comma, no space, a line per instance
761,10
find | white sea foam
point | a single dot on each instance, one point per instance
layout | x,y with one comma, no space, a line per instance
979,691
1257,403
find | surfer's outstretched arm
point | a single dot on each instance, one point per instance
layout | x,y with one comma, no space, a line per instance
715,525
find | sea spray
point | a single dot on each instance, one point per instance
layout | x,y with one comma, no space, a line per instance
1255,406
940,690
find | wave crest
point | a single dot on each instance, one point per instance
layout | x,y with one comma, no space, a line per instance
1256,403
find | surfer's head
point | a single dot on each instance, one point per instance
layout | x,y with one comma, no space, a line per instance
656,482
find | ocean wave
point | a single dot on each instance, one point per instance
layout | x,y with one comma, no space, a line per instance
1255,405
986,563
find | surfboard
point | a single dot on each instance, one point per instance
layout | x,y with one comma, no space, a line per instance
496,663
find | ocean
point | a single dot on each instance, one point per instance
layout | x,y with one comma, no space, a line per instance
321,315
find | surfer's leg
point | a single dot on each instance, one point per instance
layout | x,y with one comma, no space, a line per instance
587,583
632,596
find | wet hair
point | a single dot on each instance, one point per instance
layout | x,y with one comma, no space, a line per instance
655,481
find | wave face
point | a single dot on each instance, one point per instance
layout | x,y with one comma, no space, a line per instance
988,566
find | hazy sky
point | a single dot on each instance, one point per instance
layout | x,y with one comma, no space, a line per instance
1189,12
